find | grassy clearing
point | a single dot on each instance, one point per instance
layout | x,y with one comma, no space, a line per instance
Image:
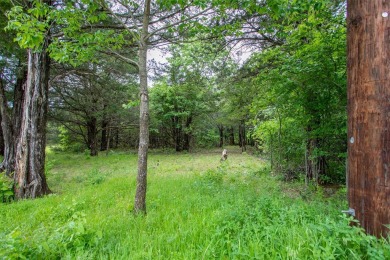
198,208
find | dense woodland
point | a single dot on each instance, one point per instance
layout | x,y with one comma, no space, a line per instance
263,78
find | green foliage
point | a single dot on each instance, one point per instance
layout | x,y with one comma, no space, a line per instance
299,109
69,142
78,43
31,26
206,138
6,188
13,245
198,208
182,99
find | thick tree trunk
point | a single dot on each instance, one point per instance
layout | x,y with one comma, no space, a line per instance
8,164
11,122
2,145
140,195
2,148
92,136
29,177
368,24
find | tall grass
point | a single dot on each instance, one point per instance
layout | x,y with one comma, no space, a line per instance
198,208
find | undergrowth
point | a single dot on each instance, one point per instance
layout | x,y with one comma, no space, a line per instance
198,208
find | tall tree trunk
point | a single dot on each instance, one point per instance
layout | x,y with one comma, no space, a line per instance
113,135
231,136
104,140
368,24
12,121
242,136
220,130
108,140
116,138
29,177
2,148
8,163
177,132
92,136
187,134
140,195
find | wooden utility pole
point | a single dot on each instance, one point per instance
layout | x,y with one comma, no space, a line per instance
368,24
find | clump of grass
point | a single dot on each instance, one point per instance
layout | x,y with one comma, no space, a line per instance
198,208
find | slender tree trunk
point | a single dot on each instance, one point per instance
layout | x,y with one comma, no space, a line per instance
368,24
30,179
103,143
242,136
116,138
177,132
231,136
140,195
309,162
187,134
280,147
92,136
220,129
239,135
108,140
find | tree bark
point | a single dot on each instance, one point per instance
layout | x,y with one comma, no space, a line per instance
10,122
92,136
187,134
177,132
231,136
29,177
103,143
220,129
140,195
116,138
2,148
8,163
242,136
368,113
108,140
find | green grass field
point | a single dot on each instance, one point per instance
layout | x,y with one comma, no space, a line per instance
197,208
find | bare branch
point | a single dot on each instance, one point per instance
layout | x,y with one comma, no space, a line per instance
125,59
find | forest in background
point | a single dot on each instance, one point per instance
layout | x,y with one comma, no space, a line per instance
287,99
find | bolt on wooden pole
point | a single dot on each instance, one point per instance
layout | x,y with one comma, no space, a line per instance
368,24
